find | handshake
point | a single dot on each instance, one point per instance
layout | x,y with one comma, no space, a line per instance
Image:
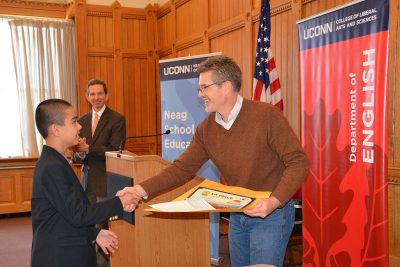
131,196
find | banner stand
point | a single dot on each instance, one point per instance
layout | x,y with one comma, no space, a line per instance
181,112
344,117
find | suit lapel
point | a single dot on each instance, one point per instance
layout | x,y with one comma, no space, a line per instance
87,128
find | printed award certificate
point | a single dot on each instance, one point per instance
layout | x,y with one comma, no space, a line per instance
210,196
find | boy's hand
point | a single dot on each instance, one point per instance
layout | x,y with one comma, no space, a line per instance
107,240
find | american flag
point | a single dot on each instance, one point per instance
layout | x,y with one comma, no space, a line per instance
266,85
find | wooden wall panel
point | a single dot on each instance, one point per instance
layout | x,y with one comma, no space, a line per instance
189,18
7,189
224,10
134,33
394,85
231,44
26,188
169,56
100,30
165,30
15,189
394,219
313,7
140,103
119,48
191,51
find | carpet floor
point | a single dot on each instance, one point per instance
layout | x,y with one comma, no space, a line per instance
15,240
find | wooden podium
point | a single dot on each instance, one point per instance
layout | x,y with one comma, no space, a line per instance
158,239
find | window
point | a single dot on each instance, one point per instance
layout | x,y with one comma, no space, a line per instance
37,62
10,136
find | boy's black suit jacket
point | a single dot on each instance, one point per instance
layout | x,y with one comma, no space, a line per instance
63,221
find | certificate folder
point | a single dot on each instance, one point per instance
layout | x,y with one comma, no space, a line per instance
116,182
210,196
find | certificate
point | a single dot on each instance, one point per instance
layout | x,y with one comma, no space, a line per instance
220,199
210,196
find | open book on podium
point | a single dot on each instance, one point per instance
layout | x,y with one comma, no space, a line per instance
156,239
210,196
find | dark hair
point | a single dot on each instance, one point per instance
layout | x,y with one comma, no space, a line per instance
94,82
224,69
48,112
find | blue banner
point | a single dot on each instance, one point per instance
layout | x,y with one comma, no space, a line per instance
181,112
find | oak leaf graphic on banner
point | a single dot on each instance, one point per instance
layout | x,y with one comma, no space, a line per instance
339,199
324,205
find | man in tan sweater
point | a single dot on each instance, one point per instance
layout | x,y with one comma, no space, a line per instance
253,146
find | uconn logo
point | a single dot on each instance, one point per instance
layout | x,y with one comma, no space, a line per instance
317,30
177,70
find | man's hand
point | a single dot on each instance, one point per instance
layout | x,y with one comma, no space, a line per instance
82,146
107,240
264,207
131,196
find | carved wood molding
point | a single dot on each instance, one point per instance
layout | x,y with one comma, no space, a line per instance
227,27
136,13
135,53
17,163
164,10
37,9
165,51
100,52
281,8
133,16
34,4
179,3
255,13
394,175
99,14
190,41
303,2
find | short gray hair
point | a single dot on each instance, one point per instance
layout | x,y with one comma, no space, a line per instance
224,69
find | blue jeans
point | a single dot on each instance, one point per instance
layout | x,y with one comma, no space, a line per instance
255,240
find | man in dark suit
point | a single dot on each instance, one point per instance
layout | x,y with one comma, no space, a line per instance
63,220
102,130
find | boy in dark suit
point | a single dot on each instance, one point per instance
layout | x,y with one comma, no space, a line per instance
63,220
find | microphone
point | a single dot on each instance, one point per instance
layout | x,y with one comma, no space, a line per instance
151,135
122,144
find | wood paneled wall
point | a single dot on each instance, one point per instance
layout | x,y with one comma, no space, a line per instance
190,27
16,185
117,45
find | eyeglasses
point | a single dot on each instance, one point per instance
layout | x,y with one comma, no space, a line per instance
203,88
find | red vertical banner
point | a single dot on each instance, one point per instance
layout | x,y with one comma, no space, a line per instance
344,62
